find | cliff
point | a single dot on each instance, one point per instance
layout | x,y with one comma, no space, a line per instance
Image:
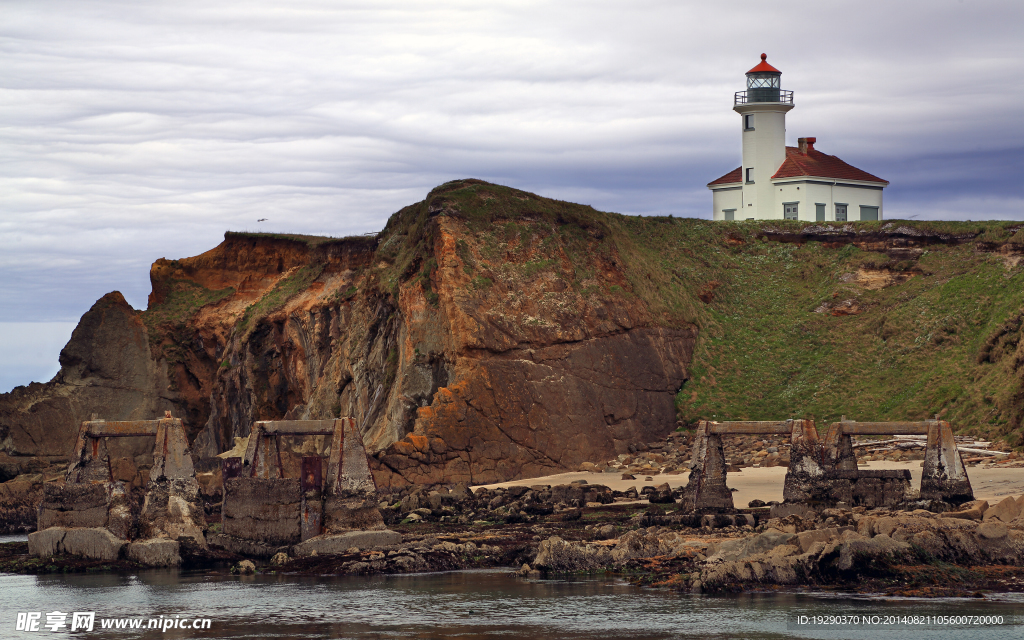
490,334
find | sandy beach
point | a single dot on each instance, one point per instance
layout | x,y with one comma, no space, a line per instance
992,484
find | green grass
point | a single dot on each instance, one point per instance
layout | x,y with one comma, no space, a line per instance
276,298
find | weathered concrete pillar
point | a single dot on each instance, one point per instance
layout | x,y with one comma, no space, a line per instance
839,455
706,489
806,473
944,476
353,472
172,457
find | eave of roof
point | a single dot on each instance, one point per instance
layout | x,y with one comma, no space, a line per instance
821,165
734,176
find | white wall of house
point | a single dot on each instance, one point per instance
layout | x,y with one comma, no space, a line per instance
808,193
728,198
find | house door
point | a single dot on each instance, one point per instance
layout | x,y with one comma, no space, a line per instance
819,212
789,211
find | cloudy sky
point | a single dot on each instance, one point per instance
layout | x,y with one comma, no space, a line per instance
132,131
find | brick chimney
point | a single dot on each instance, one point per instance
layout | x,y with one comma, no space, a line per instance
806,144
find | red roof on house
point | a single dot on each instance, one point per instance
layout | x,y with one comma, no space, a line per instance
820,165
764,66
736,175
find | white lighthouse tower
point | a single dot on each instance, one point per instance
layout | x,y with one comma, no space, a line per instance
795,183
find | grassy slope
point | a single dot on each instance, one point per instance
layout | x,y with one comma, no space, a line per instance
765,354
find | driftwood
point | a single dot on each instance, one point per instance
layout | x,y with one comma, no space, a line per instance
912,442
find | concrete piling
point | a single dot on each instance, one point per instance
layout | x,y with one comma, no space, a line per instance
944,476
824,473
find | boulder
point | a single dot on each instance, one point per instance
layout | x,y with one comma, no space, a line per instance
992,530
856,549
155,552
662,494
807,538
740,548
46,542
279,559
93,543
555,554
971,511
1005,510
340,543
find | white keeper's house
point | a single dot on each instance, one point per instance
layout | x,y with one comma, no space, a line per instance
794,183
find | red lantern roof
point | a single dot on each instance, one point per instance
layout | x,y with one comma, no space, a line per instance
764,66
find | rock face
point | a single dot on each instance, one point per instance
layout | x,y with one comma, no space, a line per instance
471,340
485,334
107,368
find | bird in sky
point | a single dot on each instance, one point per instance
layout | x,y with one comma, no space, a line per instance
262,220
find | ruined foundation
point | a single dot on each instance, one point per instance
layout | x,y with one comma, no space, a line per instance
131,490
824,474
300,482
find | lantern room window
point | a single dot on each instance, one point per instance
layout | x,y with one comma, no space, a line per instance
763,81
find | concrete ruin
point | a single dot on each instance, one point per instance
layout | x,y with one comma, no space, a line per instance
824,473
130,490
302,486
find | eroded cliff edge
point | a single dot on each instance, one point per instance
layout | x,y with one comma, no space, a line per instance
485,334
490,334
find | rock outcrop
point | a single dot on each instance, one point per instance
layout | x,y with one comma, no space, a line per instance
467,350
488,334
107,369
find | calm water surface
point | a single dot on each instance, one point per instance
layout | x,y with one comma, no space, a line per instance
466,605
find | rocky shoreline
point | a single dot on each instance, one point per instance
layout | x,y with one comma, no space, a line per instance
976,550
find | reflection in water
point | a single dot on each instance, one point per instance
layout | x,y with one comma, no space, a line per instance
18,537
467,605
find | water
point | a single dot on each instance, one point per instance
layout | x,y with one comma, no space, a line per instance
467,605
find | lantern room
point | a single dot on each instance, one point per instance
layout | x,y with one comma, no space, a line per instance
764,84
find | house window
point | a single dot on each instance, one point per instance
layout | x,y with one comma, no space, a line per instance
819,212
730,214
868,213
789,210
750,175
840,212
748,122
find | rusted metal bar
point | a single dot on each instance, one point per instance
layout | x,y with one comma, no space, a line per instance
784,427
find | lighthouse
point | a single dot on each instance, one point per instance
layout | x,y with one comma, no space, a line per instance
793,183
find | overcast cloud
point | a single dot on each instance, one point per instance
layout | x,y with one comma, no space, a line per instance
133,131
